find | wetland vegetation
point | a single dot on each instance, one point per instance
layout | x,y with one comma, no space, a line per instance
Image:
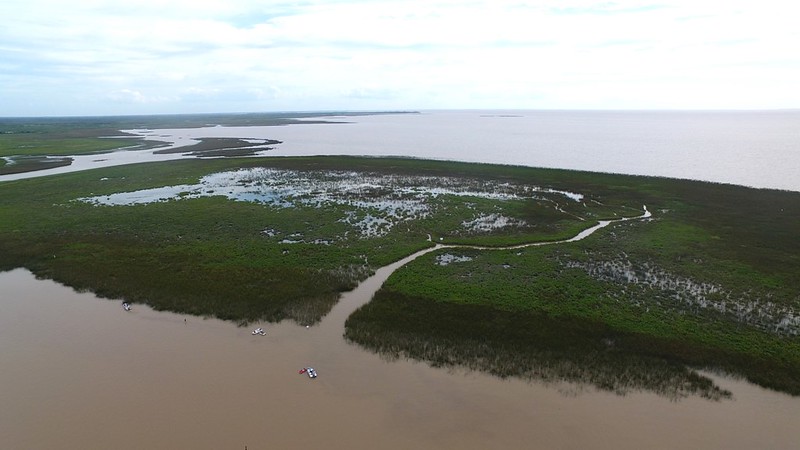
708,282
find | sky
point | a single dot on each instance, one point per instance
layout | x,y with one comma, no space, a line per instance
100,57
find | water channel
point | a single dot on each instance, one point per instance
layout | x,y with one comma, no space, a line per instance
79,372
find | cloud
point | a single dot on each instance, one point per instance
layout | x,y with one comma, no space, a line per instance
236,55
133,96
371,93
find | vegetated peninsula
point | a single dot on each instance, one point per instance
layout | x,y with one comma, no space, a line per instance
709,281
29,144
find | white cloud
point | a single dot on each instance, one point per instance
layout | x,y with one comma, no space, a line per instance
134,96
185,56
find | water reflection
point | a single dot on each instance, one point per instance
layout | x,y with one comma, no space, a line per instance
525,346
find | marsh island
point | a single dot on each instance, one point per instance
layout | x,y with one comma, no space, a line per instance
708,281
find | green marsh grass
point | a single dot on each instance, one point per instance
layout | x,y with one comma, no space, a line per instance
555,312
735,238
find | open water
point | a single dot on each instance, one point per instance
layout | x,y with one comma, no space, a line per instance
749,148
753,148
80,372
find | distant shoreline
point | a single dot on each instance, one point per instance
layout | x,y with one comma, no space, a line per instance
743,148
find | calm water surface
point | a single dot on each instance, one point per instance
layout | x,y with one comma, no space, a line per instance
79,372
750,148
757,149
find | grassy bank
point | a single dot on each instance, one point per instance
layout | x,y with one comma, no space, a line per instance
237,260
709,282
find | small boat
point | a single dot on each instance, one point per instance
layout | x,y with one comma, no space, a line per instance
126,305
260,331
309,371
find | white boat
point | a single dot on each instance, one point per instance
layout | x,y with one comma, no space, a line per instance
259,331
311,372
127,306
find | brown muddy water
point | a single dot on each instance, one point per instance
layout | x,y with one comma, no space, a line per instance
78,372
